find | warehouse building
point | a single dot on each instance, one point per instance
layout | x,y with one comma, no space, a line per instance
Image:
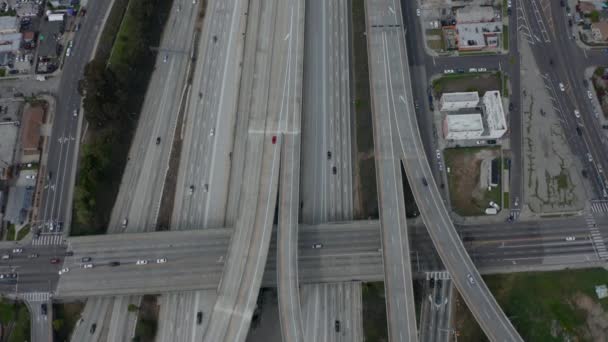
458,101
494,114
463,126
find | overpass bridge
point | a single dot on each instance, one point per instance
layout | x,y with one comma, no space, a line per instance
351,251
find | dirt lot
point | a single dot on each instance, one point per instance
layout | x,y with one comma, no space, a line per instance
467,82
466,195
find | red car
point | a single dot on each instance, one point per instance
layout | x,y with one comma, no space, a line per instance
274,139
55,260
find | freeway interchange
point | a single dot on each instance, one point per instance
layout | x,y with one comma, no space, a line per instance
248,178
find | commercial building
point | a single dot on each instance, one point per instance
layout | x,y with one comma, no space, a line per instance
458,101
30,133
463,126
494,114
478,36
8,141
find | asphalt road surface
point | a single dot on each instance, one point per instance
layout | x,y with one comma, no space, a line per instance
56,202
435,309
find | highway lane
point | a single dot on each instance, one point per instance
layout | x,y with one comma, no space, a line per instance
90,326
435,324
184,306
327,196
208,130
326,304
62,148
269,123
137,201
392,55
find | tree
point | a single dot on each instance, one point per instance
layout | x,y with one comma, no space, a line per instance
594,16
132,308
57,324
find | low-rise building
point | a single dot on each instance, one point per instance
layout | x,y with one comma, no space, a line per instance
9,25
10,42
30,133
8,141
458,101
494,114
463,126
479,36
599,31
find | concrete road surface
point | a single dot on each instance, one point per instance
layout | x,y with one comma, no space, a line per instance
326,304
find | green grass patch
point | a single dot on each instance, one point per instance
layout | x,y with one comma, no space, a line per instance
505,37
10,232
505,86
65,317
23,232
477,53
481,82
375,326
110,29
548,306
506,203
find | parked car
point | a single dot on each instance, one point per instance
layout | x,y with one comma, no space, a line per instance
86,259
141,262
55,260
317,246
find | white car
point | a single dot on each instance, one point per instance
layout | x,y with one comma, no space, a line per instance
448,71
161,260
191,190
438,154
212,132
75,113
87,266
570,238
30,177
64,270
589,157
17,250
589,94
418,12
561,86
577,113
482,69
165,59
473,69
317,246
141,262
470,278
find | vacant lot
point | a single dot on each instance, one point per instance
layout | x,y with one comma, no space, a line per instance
15,321
567,310
480,82
65,317
468,198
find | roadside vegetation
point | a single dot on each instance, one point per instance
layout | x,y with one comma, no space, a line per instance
365,173
375,326
14,320
114,86
147,319
65,318
12,235
479,82
545,306
600,85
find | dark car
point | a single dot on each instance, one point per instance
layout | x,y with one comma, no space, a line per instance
328,154
115,263
511,106
579,130
337,326
86,259
491,142
93,327
561,3
199,317
69,253
424,182
43,308
334,170
158,141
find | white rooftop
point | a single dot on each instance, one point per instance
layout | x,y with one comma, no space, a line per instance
461,97
9,24
464,122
